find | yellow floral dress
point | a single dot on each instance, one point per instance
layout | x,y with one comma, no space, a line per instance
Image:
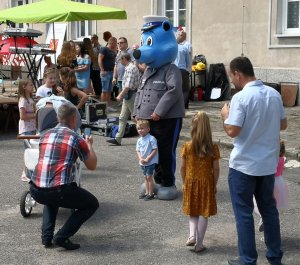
199,192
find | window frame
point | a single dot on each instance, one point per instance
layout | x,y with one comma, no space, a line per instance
176,11
84,28
285,31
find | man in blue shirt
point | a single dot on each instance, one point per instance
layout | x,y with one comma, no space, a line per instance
254,119
184,62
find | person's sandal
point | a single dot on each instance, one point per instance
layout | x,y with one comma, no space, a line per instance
198,250
191,241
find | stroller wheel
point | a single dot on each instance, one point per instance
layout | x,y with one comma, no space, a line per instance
26,203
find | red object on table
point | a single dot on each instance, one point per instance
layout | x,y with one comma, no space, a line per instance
19,42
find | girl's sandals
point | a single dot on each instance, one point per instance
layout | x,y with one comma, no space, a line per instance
198,250
191,241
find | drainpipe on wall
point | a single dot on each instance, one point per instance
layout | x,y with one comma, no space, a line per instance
270,45
152,8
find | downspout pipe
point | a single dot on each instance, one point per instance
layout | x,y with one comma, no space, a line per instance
190,20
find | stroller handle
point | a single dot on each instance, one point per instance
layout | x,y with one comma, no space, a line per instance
24,137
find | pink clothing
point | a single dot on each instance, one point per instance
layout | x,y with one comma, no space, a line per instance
28,125
280,166
280,193
280,187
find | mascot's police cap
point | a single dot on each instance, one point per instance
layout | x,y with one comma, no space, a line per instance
153,21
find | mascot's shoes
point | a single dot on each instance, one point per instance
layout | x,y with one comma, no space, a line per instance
191,241
113,141
66,243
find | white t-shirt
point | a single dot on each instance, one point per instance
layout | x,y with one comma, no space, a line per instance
44,91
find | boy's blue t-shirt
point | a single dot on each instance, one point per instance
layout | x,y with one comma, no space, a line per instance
145,146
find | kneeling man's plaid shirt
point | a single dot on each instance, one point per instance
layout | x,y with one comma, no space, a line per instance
59,149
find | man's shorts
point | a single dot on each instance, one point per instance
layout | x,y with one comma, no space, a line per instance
148,170
106,81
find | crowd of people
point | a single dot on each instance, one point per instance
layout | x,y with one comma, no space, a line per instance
110,72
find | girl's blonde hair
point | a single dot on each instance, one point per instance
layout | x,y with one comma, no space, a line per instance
202,144
143,123
282,148
67,54
21,88
50,71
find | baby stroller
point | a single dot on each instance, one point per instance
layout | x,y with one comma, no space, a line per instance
46,119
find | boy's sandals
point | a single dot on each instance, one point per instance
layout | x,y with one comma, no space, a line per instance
198,250
191,241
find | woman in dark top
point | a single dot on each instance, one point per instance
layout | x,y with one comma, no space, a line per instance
71,92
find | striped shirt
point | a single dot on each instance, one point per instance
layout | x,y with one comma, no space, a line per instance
59,149
131,77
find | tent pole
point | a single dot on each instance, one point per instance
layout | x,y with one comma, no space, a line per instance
54,42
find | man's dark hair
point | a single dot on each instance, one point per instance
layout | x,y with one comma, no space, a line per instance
123,38
242,65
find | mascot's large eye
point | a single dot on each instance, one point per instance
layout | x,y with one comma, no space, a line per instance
142,41
149,41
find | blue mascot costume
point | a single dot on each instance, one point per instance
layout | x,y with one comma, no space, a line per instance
159,98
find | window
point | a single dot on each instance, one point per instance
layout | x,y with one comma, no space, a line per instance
83,28
175,10
290,23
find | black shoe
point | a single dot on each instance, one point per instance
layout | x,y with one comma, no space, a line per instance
142,196
66,243
113,141
47,244
235,262
149,197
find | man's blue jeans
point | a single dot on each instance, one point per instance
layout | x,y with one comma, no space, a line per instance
67,196
242,188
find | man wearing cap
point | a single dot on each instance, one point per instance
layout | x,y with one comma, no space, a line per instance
159,98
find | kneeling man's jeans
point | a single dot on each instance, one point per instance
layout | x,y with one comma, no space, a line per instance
67,196
242,188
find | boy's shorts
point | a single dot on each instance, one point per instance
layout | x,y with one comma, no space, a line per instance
148,170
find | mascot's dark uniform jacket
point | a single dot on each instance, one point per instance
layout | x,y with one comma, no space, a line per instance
160,92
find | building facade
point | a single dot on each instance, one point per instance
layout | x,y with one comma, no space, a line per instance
266,31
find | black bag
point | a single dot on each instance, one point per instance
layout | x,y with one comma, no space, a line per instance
217,78
199,58
130,131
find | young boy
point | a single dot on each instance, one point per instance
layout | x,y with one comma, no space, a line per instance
147,152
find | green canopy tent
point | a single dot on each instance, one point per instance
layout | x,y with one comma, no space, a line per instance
48,11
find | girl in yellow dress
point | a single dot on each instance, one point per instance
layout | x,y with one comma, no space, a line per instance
200,173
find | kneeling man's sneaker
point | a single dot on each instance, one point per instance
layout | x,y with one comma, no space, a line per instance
66,243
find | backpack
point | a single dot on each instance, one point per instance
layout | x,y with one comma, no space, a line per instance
130,131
